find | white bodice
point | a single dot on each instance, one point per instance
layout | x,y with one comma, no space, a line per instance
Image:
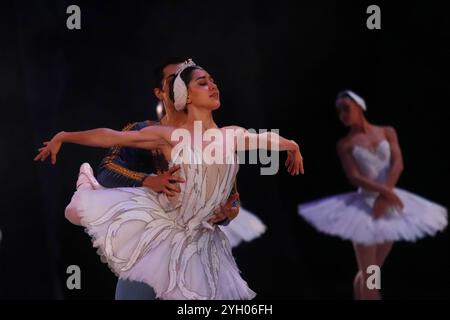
374,164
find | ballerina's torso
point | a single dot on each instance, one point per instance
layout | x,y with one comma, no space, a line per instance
209,173
213,142
374,163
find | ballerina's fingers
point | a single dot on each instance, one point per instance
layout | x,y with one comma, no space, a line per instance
297,167
43,154
291,165
290,169
288,159
301,168
53,156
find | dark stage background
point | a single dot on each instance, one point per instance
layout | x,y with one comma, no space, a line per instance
278,65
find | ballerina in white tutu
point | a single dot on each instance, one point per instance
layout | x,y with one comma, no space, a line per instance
378,213
245,227
164,241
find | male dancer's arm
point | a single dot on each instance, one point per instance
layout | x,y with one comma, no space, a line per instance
114,169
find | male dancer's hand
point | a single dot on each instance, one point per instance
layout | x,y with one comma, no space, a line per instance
227,211
166,182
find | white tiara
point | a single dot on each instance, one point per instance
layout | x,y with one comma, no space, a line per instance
360,101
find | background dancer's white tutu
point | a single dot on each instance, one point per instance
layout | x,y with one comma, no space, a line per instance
349,215
245,227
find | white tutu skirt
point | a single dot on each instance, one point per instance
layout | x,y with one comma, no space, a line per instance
245,227
141,242
349,216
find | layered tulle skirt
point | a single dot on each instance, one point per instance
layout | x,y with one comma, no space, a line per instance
349,216
142,242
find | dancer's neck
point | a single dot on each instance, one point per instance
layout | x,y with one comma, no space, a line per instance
362,127
200,114
173,118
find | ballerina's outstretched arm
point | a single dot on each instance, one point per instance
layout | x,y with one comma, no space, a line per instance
153,137
245,140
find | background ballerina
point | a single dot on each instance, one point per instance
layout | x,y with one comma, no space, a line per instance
378,213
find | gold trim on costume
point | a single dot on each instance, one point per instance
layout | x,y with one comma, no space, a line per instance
110,165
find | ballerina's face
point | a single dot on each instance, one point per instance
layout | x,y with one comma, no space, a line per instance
202,91
348,111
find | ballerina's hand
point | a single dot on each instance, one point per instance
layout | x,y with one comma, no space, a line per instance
380,207
51,148
393,199
294,161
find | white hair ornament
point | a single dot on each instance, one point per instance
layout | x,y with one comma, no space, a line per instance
180,91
